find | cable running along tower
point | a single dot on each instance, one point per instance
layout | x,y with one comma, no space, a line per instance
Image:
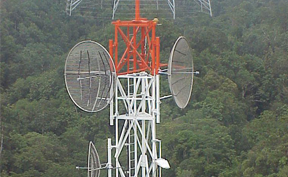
127,79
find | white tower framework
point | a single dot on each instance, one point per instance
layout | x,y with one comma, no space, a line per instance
71,5
205,5
135,129
157,3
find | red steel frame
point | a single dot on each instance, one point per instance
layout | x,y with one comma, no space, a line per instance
142,51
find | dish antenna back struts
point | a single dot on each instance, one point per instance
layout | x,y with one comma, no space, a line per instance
128,77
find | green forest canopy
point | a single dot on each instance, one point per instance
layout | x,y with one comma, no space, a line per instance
235,125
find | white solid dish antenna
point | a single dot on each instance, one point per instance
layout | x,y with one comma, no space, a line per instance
180,72
89,76
163,163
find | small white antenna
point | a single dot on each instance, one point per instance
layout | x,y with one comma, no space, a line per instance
163,163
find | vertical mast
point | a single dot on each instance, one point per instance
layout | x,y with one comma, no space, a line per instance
137,9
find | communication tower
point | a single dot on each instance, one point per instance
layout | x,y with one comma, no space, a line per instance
128,79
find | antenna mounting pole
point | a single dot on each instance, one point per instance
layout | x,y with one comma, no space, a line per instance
137,9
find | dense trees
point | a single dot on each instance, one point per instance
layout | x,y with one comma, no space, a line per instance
235,125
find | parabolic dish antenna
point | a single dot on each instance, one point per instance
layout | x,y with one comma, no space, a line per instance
94,165
89,76
180,72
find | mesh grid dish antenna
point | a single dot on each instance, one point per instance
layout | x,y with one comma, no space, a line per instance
94,165
180,72
89,76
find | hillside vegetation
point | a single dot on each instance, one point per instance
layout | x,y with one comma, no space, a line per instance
235,125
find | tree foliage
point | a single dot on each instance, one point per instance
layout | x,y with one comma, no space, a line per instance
235,125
